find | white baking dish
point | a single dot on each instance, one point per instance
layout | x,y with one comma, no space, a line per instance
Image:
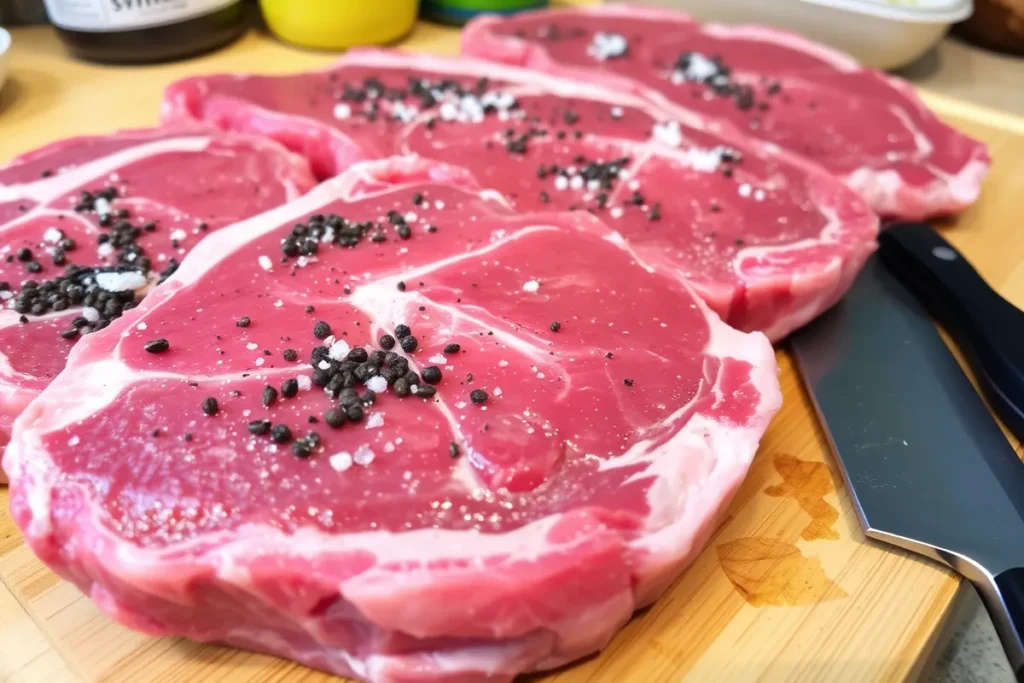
5,48
887,34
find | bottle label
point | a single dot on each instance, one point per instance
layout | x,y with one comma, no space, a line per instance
124,15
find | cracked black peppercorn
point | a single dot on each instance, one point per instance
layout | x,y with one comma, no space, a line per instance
452,348
402,331
387,342
335,417
321,330
269,396
478,396
210,406
555,326
409,344
259,427
431,374
244,321
289,388
157,345
280,434
291,355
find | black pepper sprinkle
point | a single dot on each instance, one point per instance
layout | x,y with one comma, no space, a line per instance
431,374
269,396
452,348
210,406
321,330
289,388
291,355
555,326
431,228
655,213
157,345
453,449
628,382
244,321
309,309
609,355
335,417
187,437
478,396
259,427
409,343
280,434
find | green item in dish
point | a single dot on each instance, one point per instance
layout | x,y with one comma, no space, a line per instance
461,11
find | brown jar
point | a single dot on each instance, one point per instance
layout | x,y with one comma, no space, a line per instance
140,31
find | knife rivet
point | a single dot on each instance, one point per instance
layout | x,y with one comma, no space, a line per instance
944,253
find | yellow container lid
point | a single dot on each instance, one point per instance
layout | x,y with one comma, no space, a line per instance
339,24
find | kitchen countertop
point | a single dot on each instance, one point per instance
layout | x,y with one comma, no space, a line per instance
37,102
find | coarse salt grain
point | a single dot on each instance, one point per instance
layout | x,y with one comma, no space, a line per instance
142,326
102,206
178,234
342,111
496,392
745,190
52,235
364,455
502,363
74,441
339,350
531,286
252,346
341,461
265,262
324,365
278,304
260,361
105,249
759,195
90,314
616,212
561,182
375,421
120,282
668,133
377,384
439,205
305,382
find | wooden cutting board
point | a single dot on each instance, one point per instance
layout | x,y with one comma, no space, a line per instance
787,590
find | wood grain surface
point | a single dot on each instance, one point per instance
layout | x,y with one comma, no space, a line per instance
787,590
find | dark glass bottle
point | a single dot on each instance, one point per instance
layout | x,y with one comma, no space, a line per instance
141,31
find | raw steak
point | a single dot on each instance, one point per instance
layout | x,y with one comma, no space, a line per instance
504,509
767,239
182,183
866,127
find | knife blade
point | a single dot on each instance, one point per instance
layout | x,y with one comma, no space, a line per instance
927,466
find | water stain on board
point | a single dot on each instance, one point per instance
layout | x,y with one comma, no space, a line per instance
767,572
808,483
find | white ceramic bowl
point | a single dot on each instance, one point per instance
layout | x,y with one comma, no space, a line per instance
5,47
885,34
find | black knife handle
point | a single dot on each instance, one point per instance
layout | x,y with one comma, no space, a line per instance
988,329
1008,616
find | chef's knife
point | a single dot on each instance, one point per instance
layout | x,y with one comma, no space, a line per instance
928,468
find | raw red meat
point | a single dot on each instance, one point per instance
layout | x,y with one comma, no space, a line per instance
432,539
768,239
186,181
866,127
